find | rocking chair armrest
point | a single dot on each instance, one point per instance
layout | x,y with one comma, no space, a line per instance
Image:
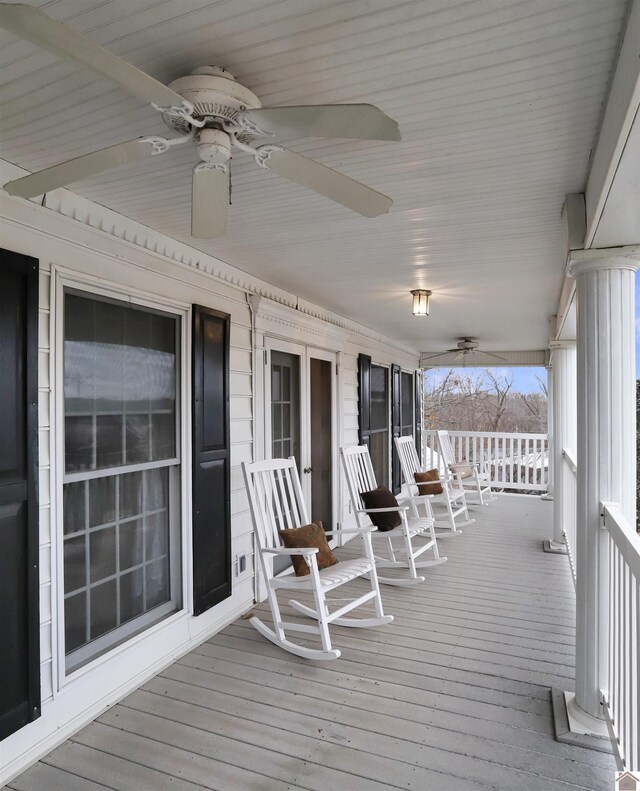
350,530
296,551
382,510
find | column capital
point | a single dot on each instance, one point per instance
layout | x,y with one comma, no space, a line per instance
567,344
582,261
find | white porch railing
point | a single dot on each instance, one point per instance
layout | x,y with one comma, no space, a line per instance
569,502
622,698
513,461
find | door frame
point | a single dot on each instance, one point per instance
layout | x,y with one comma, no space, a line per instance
306,352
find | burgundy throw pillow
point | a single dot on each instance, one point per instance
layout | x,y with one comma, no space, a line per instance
382,498
312,535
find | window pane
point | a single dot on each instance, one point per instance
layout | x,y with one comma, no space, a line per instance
137,439
119,384
131,544
102,553
103,608
74,507
75,621
78,443
102,501
157,579
379,398
163,436
131,595
131,494
75,563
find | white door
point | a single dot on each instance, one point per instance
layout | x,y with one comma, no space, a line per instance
300,420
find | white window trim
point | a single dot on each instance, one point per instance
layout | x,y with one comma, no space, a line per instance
61,279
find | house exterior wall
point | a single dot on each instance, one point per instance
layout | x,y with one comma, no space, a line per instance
128,260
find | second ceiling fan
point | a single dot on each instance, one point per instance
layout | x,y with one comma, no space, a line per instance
467,350
216,114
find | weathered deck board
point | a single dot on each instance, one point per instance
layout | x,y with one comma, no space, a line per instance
454,695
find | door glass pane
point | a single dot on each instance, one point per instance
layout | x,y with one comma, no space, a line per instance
379,451
285,406
320,387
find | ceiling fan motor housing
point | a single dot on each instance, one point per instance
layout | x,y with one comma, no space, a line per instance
213,92
213,146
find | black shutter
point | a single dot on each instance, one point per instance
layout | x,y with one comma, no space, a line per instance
364,398
19,584
211,459
396,426
418,418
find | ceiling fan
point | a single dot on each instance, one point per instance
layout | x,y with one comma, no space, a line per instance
209,109
467,349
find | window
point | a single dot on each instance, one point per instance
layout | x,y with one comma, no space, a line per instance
379,431
407,411
121,482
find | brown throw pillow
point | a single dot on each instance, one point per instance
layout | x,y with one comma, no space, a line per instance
463,469
382,498
428,488
312,535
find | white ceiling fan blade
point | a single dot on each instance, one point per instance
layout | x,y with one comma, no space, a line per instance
493,356
323,180
87,165
359,121
209,200
440,354
459,356
34,25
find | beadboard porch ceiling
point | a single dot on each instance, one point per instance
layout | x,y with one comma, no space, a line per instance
498,102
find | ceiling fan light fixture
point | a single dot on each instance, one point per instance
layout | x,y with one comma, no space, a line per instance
421,301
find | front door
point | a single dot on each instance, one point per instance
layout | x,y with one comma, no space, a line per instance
300,420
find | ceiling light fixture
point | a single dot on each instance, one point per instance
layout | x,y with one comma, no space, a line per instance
421,301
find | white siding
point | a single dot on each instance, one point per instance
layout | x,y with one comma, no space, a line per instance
125,266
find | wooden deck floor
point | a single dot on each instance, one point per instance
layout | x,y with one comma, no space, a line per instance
453,696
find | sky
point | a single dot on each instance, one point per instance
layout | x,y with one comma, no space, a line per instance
524,379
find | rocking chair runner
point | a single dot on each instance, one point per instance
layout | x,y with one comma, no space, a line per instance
477,483
277,503
361,478
453,495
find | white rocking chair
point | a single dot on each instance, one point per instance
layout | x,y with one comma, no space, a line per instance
276,501
453,495
478,483
361,478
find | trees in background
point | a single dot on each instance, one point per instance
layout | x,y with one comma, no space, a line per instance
483,401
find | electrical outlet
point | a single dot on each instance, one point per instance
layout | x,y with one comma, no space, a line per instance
242,564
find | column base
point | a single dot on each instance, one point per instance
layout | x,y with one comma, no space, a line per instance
574,726
554,547
547,496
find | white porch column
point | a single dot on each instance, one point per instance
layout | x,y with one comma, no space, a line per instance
563,398
606,449
550,433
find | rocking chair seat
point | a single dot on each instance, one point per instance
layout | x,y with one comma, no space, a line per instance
330,578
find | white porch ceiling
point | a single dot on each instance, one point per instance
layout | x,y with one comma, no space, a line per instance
499,105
